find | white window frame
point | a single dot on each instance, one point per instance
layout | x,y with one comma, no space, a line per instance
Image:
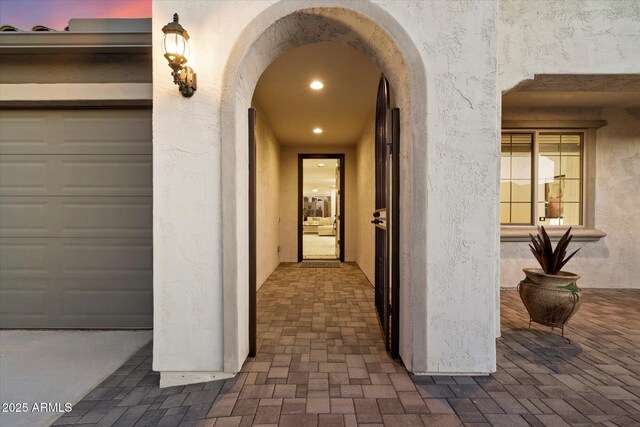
587,231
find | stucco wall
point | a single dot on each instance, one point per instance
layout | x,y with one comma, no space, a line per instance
611,262
449,167
289,198
366,178
267,198
567,37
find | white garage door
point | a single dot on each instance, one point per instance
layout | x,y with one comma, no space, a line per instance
75,218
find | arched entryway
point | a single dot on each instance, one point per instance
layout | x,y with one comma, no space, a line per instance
373,32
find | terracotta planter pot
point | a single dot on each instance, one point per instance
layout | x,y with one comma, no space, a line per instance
544,297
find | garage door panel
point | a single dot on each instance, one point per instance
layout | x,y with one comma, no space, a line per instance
106,300
112,258
81,175
107,132
108,217
26,301
76,282
24,131
75,131
76,217
25,258
25,216
65,258
24,175
106,175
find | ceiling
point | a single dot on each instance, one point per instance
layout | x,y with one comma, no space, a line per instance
576,91
341,109
323,178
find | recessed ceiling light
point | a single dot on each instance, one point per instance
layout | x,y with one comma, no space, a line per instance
316,85
320,165
315,190
317,130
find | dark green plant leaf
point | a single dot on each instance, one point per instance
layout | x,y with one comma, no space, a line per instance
549,259
567,259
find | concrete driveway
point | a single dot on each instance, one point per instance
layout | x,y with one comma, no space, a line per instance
41,371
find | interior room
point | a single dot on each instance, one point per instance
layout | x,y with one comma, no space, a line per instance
320,208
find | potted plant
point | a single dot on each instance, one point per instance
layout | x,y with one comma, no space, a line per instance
551,296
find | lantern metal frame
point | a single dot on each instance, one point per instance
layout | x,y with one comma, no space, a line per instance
183,75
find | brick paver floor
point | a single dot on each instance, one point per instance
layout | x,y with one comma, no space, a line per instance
321,362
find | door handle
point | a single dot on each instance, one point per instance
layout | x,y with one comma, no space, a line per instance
376,221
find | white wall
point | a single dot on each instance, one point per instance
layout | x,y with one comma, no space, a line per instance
449,165
289,198
613,261
563,37
452,55
267,198
366,179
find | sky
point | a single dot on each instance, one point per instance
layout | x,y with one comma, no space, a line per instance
55,14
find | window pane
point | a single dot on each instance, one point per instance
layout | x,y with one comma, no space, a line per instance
505,167
521,190
559,172
571,214
515,178
570,144
571,166
548,167
505,191
542,218
505,213
549,143
541,196
520,213
521,167
571,191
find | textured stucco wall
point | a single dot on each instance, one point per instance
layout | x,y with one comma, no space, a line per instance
449,168
267,198
613,261
289,198
366,178
565,37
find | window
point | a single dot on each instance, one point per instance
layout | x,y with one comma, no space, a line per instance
553,162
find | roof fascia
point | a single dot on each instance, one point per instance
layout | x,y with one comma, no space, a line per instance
64,41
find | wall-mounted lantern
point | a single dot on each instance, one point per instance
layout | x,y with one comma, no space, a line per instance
176,49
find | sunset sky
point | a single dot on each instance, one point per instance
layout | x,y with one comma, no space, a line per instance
24,14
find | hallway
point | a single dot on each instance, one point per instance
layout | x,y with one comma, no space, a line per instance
321,362
319,324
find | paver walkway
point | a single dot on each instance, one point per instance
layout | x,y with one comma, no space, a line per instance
321,362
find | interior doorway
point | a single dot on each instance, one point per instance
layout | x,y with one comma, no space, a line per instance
321,202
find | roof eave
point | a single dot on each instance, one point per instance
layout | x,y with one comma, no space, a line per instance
53,42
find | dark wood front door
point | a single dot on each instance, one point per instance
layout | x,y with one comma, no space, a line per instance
385,217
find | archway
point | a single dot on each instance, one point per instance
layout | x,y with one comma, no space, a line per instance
372,31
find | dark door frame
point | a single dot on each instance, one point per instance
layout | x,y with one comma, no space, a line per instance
253,285
395,233
301,157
